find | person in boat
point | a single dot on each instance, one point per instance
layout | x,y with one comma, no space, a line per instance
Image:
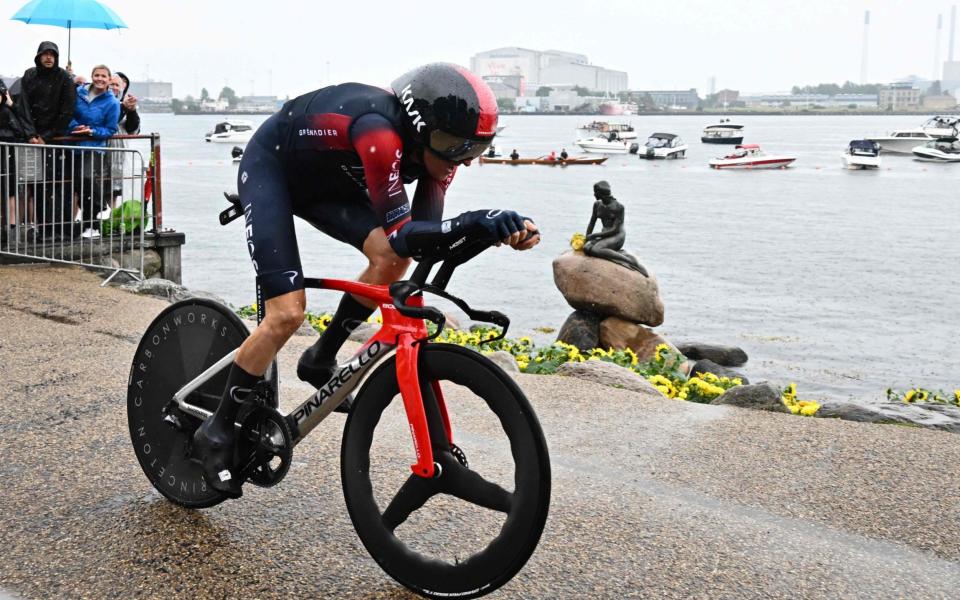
608,242
553,155
514,155
491,152
563,154
338,157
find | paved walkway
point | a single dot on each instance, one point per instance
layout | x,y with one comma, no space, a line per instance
652,498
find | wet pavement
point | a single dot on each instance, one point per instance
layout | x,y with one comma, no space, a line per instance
651,498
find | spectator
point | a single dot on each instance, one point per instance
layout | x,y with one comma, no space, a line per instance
129,117
49,95
129,125
16,126
96,116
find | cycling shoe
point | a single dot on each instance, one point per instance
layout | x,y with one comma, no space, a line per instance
213,448
317,373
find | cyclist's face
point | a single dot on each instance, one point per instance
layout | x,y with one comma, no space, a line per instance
439,168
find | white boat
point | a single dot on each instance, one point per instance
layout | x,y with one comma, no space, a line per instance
903,141
942,127
945,149
611,144
624,131
750,156
862,154
663,145
723,132
234,132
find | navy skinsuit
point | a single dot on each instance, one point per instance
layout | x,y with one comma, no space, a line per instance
335,158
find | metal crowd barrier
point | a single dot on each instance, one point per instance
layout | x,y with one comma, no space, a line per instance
80,205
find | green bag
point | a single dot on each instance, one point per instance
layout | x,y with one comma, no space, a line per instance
125,218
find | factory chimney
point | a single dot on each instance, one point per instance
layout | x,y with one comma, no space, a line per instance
936,49
866,39
953,28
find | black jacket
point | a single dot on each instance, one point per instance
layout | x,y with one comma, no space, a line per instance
15,122
50,95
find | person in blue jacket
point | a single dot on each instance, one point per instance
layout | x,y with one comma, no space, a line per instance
95,117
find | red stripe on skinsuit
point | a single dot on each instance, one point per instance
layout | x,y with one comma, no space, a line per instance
325,131
487,123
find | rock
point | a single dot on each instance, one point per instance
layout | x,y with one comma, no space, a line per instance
363,332
581,329
762,396
619,334
505,361
708,366
725,356
924,414
452,322
168,290
608,374
607,289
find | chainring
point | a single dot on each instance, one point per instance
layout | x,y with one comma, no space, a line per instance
264,447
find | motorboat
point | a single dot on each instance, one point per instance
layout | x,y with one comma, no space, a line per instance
624,131
862,154
750,156
942,126
903,141
236,154
609,144
234,132
663,145
945,149
723,132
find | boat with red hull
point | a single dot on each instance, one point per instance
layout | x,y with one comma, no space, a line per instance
750,156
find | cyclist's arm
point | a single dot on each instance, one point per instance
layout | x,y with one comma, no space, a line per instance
428,199
380,149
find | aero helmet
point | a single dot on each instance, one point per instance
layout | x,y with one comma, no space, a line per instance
449,110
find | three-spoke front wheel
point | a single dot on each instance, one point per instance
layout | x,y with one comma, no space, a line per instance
471,528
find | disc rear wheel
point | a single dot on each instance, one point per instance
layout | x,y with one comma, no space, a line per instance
472,527
183,341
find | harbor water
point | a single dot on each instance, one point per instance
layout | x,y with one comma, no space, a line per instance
845,282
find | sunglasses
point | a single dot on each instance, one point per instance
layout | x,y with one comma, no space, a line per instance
456,149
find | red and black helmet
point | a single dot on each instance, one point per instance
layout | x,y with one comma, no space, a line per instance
448,109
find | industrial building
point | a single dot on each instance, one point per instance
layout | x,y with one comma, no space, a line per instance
548,68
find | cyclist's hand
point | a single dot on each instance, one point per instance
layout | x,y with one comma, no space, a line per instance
531,239
500,226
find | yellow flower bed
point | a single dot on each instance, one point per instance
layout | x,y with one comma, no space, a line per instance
663,370
919,394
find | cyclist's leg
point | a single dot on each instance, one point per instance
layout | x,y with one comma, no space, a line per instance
271,240
348,217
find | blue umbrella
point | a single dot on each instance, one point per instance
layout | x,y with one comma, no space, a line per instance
82,14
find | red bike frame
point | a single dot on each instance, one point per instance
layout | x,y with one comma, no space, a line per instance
406,334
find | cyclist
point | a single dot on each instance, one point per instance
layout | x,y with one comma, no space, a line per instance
338,158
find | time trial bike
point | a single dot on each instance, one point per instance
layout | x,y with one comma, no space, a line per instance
461,521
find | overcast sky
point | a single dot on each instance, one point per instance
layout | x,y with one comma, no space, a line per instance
290,47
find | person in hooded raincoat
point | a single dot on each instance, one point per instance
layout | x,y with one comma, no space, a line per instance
51,96
16,126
